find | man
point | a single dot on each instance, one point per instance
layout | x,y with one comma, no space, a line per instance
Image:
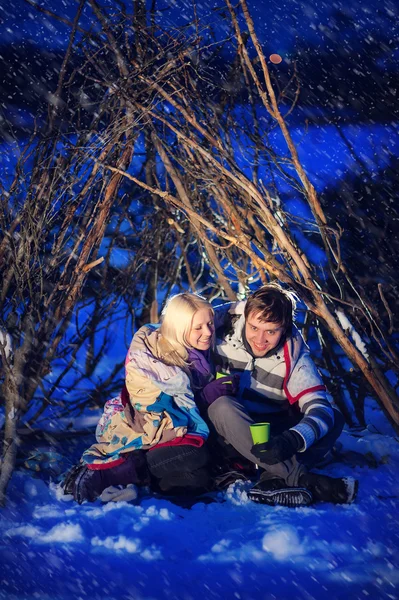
279,383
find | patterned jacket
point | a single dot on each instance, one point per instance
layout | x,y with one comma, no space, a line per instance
159,405
286,376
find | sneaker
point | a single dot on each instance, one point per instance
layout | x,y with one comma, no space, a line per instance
276,492
341,490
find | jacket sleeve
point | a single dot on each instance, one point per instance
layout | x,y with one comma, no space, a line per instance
307,388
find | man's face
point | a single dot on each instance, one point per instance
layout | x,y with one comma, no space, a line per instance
262,336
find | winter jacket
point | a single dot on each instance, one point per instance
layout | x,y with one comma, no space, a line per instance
157,408
286,376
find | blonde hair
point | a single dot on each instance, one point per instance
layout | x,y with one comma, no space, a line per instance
176,322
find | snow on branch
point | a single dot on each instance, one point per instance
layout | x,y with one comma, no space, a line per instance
5,342
348,327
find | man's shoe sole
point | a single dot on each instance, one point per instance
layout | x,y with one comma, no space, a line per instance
292,497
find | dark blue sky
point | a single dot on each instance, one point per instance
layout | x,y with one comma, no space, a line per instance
347,54
282,25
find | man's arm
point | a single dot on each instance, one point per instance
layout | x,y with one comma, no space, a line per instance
309,391
313,401
318,420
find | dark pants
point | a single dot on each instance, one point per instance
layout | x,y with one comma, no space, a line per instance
132,470
179,469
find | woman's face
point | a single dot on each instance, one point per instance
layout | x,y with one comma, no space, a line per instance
202,329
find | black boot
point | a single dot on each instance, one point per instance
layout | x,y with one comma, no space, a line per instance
341,490
277,492
88,485
83,484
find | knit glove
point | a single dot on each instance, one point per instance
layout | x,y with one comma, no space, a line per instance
223,386
278,449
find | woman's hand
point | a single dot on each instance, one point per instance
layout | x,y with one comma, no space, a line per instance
227,385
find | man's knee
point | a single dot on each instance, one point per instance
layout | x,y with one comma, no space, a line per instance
220,408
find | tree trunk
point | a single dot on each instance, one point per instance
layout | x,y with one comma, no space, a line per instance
10,437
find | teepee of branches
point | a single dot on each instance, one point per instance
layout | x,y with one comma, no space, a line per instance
197,125
213,154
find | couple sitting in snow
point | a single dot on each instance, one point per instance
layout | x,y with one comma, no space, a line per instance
214,372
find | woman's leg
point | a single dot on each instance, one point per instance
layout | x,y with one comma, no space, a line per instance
88,483
132,470
185,483
179,469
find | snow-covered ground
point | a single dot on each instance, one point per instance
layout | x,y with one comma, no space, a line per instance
52,548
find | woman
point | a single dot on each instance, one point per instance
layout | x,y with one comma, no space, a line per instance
154,424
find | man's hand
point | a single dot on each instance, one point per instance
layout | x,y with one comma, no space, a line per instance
226,385
280,448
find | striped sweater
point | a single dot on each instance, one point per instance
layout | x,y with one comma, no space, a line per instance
272,383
